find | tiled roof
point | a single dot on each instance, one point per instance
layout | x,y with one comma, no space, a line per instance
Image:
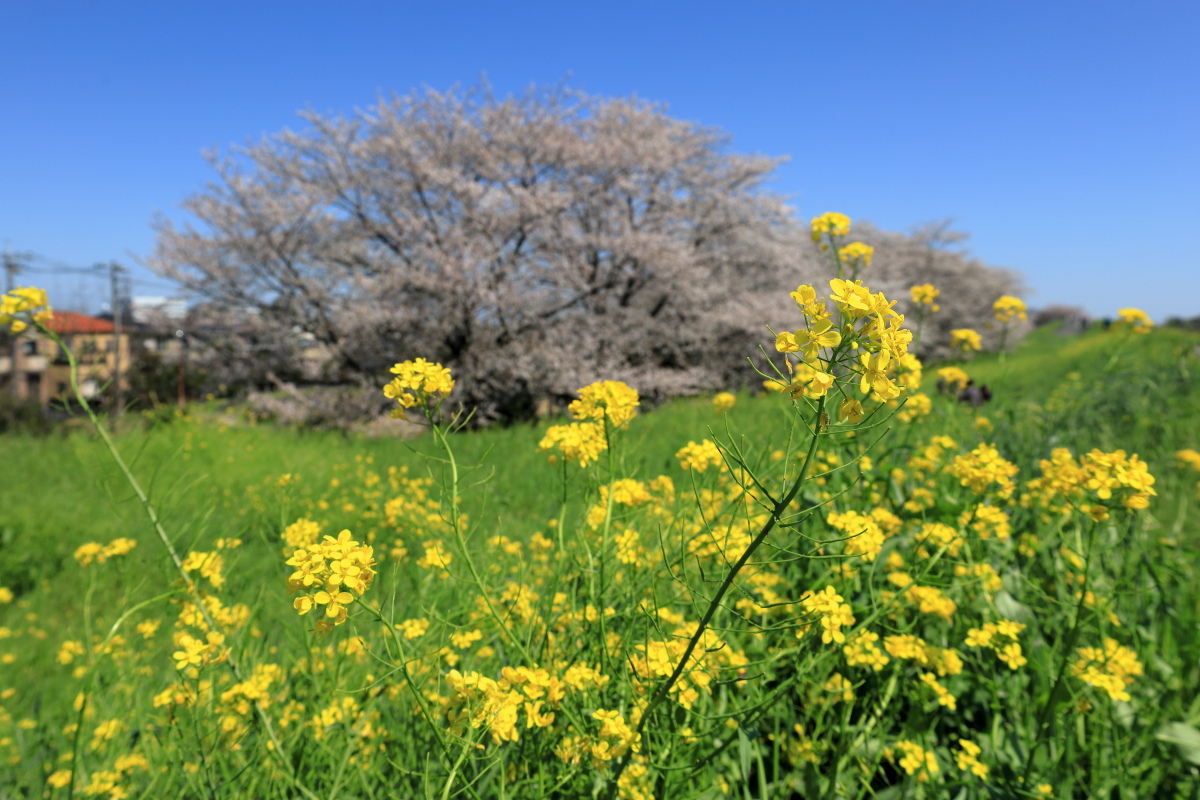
65,322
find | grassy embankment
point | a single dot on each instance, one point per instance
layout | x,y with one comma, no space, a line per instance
214,475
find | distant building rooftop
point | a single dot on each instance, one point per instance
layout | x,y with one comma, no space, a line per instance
145,309
68,322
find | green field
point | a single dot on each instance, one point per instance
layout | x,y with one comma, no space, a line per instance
376,720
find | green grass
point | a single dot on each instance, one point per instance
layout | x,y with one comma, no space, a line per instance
214,475
1099,390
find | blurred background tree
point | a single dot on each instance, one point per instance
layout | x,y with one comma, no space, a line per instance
532,243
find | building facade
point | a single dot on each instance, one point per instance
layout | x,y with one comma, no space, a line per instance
34,367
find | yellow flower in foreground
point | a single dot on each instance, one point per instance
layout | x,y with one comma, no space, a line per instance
809,341
331,573
874,375
834,612
810,382
27,300
806,299
416,382
851,410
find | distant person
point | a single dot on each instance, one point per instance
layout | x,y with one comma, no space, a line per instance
973,395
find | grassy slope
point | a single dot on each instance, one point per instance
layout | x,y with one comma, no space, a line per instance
211,480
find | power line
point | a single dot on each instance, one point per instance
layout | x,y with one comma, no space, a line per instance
99,272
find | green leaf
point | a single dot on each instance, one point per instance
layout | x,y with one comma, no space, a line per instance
1183,736
744,748
1010,608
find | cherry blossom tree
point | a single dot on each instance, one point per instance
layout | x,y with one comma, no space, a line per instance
533,243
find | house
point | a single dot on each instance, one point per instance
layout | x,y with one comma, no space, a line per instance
42,371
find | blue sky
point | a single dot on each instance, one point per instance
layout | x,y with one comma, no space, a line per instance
1063,136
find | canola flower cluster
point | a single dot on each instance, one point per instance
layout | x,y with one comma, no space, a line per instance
699,457
709,663
967,340
1008,308
913,759
331,574
723,402
954,378
1190,459
1134,319
21,306
1112,668
819,345
829,225
416,383
985,472
859,321
1001,638
602,407
1096,484
857,254
96,553
495,705
925,296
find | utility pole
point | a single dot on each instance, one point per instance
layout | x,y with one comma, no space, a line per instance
182,384
10,282
115,270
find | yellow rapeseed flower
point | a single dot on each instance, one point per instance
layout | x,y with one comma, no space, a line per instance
417,382
723,402
331,573
834,614
965,339
857,253
924,295
967,759
1135,319
830,223
22,305
953,378
577,442
700,457
1008,308
614,400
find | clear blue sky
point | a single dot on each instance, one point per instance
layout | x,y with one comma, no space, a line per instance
1064,136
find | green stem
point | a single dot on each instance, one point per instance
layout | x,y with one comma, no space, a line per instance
460,538
156,523
714,604
91,672
1072,635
